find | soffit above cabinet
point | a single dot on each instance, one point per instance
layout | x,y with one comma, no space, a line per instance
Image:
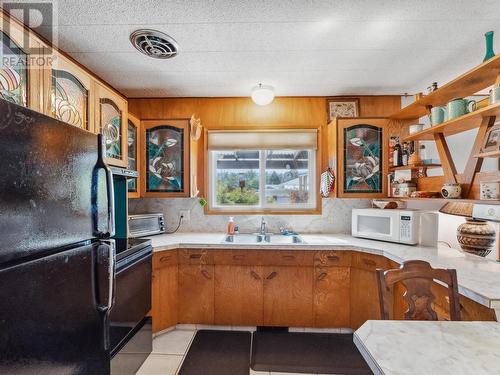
301,48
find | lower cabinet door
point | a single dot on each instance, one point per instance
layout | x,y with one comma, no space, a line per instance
164,298
288,296
196,294
331,306
238,295
365,303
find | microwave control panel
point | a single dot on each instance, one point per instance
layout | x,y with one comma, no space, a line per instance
405,228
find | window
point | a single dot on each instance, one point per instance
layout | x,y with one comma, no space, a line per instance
272,178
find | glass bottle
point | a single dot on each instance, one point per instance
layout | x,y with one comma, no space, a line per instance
423,153
405,154
397,155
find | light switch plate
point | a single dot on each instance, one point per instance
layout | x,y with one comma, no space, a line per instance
186,215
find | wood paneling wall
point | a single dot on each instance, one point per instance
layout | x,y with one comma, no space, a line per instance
284,112
297,112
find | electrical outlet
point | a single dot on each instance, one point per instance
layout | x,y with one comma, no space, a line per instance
186,215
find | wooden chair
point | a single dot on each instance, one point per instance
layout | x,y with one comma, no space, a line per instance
417,277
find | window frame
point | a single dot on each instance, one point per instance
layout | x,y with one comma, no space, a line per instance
312,208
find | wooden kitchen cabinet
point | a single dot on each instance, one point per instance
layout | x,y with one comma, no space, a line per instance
331,304
134,133
288,296
111,121
164,290
25,70
71,94
196,294
365,303
165,169
239,295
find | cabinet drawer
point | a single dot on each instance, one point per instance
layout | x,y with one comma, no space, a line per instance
164,258
237,257
196,256
369,262
332,258
287,258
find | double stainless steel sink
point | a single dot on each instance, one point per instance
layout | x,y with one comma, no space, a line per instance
264,239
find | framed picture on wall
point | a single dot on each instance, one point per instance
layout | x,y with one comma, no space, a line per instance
342,107
492,142
362,155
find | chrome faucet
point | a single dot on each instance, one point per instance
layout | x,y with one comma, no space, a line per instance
263,227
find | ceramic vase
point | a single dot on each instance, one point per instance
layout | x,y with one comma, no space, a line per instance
476,237
489,45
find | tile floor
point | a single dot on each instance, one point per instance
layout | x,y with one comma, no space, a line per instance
170,348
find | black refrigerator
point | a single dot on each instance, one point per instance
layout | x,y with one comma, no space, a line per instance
56,268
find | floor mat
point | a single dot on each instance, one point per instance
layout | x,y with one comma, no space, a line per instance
218,353
325,353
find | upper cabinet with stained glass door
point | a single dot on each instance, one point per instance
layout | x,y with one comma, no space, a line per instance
133,154
165,158
362,157
111,121
71,94
22,66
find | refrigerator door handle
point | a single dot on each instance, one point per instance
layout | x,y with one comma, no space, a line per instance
111,202
101,164
105,282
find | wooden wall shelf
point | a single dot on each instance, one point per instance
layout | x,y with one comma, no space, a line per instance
490,154
463,123
469,83
443,200
414,167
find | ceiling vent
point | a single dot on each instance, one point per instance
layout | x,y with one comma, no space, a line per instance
154,44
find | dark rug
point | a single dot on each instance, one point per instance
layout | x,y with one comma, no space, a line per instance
218,353
325,353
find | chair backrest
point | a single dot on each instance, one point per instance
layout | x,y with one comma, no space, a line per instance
417,277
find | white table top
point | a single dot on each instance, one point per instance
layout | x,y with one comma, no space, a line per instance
415,347
478,278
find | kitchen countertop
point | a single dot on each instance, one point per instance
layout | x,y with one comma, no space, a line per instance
478,278
417,347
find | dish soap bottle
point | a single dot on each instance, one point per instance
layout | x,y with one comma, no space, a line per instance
230,226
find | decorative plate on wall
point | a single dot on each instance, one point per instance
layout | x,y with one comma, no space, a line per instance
342,107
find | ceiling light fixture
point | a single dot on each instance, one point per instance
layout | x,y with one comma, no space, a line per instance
262,94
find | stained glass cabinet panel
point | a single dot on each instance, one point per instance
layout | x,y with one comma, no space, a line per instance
111,119
362,158
133,154
70,99
165,169
13,72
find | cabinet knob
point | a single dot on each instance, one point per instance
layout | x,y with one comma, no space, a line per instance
288,257
321,276
206,274
272,275
165,258
195,256
255,275
333,258
238,257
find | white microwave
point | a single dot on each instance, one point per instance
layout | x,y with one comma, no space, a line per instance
401,226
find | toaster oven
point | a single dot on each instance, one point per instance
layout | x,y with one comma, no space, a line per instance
145,225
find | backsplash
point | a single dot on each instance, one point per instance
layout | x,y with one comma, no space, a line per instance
335,217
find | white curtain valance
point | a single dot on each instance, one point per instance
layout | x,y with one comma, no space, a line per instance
263,139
